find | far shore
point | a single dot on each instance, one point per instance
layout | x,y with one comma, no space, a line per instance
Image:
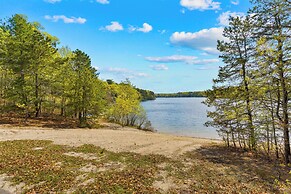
111,137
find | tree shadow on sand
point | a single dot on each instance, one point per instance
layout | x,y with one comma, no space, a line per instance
253,166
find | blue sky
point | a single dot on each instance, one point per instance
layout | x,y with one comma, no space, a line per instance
160,45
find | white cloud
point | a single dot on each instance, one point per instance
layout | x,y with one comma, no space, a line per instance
131,28
114,27
223,18
203,61
126,73
52,1
171,59
161,67
140,75
200,4
206,67
193,60
162,31
118,70
235,2
145,28
65,19
205,40
103,1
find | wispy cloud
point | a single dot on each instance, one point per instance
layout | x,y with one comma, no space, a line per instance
140,75
223,18
162,31
204,40
161,67
113,27
193,60
126,73
66,19
103,1
203,61
52,1
171,59
145,28
235,2
200,4
206,67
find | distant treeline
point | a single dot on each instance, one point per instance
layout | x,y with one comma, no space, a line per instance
181,94
146,94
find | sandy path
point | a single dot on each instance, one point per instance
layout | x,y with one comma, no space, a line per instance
126,139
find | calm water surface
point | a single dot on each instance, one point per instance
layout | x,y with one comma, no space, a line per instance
180,116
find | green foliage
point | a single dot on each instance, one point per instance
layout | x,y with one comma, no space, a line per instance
251,93
37,78
146,94
125,107
29,53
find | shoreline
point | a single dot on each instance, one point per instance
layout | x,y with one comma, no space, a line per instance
106,125
111,137
195,137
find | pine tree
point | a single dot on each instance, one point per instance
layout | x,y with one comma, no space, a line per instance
236,54
273,31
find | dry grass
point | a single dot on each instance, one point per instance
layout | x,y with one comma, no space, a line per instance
44,167
55,121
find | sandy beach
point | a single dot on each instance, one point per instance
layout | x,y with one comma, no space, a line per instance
111,137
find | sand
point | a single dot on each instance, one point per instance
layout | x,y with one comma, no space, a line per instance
117,139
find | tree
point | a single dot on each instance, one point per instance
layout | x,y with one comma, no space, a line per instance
18,55
41,80
236,54
29,50
85,85
3,71
43,52
273,31
125,106
257,61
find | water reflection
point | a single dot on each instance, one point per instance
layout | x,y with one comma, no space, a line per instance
181,116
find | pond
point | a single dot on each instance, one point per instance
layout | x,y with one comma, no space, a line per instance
180,116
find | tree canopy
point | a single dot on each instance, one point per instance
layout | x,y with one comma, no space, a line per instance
40,78
251,94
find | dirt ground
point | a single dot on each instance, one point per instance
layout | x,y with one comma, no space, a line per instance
111,137
209,168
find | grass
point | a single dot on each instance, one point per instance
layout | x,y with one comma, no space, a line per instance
48,168
217,169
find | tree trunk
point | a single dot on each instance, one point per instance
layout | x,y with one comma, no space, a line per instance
233,139
285,120
268,137
37,101
249,111
273,126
